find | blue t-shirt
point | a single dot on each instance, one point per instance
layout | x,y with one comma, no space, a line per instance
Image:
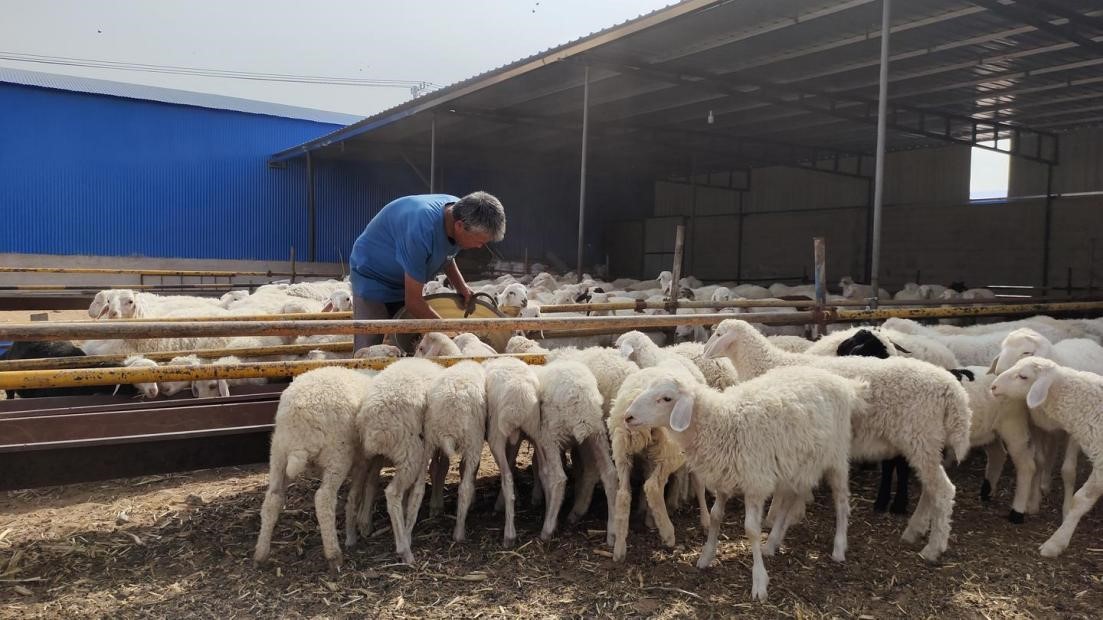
406,236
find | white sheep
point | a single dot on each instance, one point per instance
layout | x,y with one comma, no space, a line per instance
169,388
436,344
777,434
719,373
455,424
1002,427
639,348
660,457
146,390
230,297
318,290
378,350
571,414
792,344
1075,353
471,346
390,423
917,410
1071,400
316,429
513,411
514,295
852,290
339,301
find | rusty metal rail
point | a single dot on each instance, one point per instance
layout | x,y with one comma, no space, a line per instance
166,329
85,361
72,377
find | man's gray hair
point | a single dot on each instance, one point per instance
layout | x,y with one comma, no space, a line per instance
482,212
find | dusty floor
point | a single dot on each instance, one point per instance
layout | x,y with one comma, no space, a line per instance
180,546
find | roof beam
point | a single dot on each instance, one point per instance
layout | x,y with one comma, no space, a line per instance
853,109
751,151
1022,13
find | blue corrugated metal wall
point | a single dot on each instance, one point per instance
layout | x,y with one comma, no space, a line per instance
100,175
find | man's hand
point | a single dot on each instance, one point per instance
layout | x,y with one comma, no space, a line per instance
465,292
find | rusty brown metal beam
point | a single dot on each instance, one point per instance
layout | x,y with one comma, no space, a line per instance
164,356
32,379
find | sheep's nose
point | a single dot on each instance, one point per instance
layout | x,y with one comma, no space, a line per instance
629,419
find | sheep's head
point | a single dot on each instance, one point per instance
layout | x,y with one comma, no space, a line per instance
726,336
231,297
630,343
665,280
432,287
514,296
379,350
101,304
170,388
435,344
1030,377
664,402
864,343
145,390
845,282
1021,343
950,294
124,305
521,344
722,293
210,388
339,301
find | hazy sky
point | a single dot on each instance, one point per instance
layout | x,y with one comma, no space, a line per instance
433,41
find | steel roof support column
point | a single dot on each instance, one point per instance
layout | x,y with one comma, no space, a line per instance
1048,225
582,173
310,204
433,155
879,167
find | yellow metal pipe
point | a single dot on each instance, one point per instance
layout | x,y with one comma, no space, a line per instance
33,379
300,316
44,363
942,312
130,330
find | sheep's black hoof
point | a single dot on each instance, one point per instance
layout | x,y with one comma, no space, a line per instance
899,508
985,491
1016,517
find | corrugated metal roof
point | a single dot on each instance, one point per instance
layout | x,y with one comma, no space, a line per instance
169,95
737,83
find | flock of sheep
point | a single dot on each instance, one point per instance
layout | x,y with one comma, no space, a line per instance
741,409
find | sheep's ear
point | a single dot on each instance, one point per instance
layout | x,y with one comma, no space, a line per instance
328,307
992,366
682,414
194,390
223,389
1036,397
626,350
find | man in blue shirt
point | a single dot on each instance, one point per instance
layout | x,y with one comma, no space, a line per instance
407,243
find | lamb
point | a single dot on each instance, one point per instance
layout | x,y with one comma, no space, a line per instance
637,347
1071,400
571,415
319,290
851,290
146,390
455,424
917,410
436,344
513,296
339,301
792,427
390,422
170,388
661,458
607,365
379,350
718,373
471,346
316,429
1075,353
513,410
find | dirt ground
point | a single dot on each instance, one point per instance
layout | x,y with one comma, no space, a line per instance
181,546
